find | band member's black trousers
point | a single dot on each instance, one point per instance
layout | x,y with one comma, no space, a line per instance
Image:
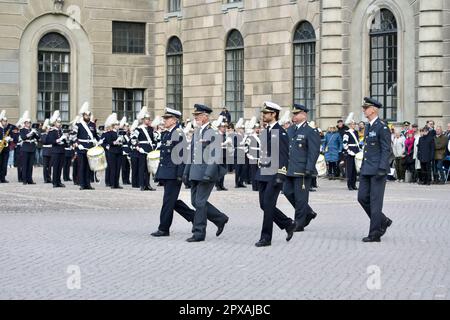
143,171
84,172
135,172
108,181
370,197
57,165
296,190
350,171
114,164
4,156
125,170
47,168
268,197
66,168
200,192
171,203
239,174
27,166
75,164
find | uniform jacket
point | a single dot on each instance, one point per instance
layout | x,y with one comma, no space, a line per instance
167,169
53,135
425,148
304,150
350,142
268,167
29,140
205,164
143,138
377,149
110,139
87,136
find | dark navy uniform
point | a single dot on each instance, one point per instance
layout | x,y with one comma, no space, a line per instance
220,183
87,137
4,155
254,145
351,148
58,141
143,139
114,146
29,139
270,177
374,170
170,174
239,161
203,174
108,167
68,156
17,153
304,150
126,150
46,158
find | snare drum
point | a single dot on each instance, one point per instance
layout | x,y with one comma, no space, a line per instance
97,159
321,166
358,160
153,161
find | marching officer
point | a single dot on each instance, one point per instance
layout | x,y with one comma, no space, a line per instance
59,142
170,173
5,138
113,142
271,176
46,152
351,148
87,137
304,150
144,142
203,172
29,139
374,170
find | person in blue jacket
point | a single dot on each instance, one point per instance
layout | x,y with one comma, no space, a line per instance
332,147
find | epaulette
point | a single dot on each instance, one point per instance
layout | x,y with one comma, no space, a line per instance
282,171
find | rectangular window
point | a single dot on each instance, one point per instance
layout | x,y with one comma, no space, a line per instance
304,75
127,102
234,83
175,82
53,84
128,37
174,5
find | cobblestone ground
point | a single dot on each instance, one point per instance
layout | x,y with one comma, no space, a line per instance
106,234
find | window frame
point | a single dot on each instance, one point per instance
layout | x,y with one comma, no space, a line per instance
235,57
123,43
124,100
174,78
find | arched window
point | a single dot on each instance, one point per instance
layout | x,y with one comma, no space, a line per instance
234,75
383,62
175,74
304,66
53,76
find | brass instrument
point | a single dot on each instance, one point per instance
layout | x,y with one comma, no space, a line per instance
3,142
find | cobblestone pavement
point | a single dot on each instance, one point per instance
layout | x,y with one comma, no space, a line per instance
105,233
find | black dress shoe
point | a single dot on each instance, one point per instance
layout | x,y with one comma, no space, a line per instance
262,243
241,186
371,239
220,228
194,239
310,216
4,181
160,233
386,224
48,181
355,188
32,182
90,188
299,229
119,187
290,230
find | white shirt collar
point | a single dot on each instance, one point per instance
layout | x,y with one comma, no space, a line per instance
271,125
300,124
373,121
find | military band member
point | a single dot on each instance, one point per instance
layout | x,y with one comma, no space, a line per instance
59,142
113,142
374,170
134,158
203,172
46,153
87,138
351,148
239,155
222,131
170,173
17,150
5,139
144,142
68,153
304,150
29,137
124,130
253,145
270,176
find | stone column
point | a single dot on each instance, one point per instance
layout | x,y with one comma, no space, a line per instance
431,62
331,74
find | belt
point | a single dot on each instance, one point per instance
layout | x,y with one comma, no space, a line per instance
47,146
352,145
84,141
145,142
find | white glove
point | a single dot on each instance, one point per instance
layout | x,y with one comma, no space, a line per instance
107,147
80,147
351,153
142,151
9,139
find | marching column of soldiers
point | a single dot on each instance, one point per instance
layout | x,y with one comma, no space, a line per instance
277,157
